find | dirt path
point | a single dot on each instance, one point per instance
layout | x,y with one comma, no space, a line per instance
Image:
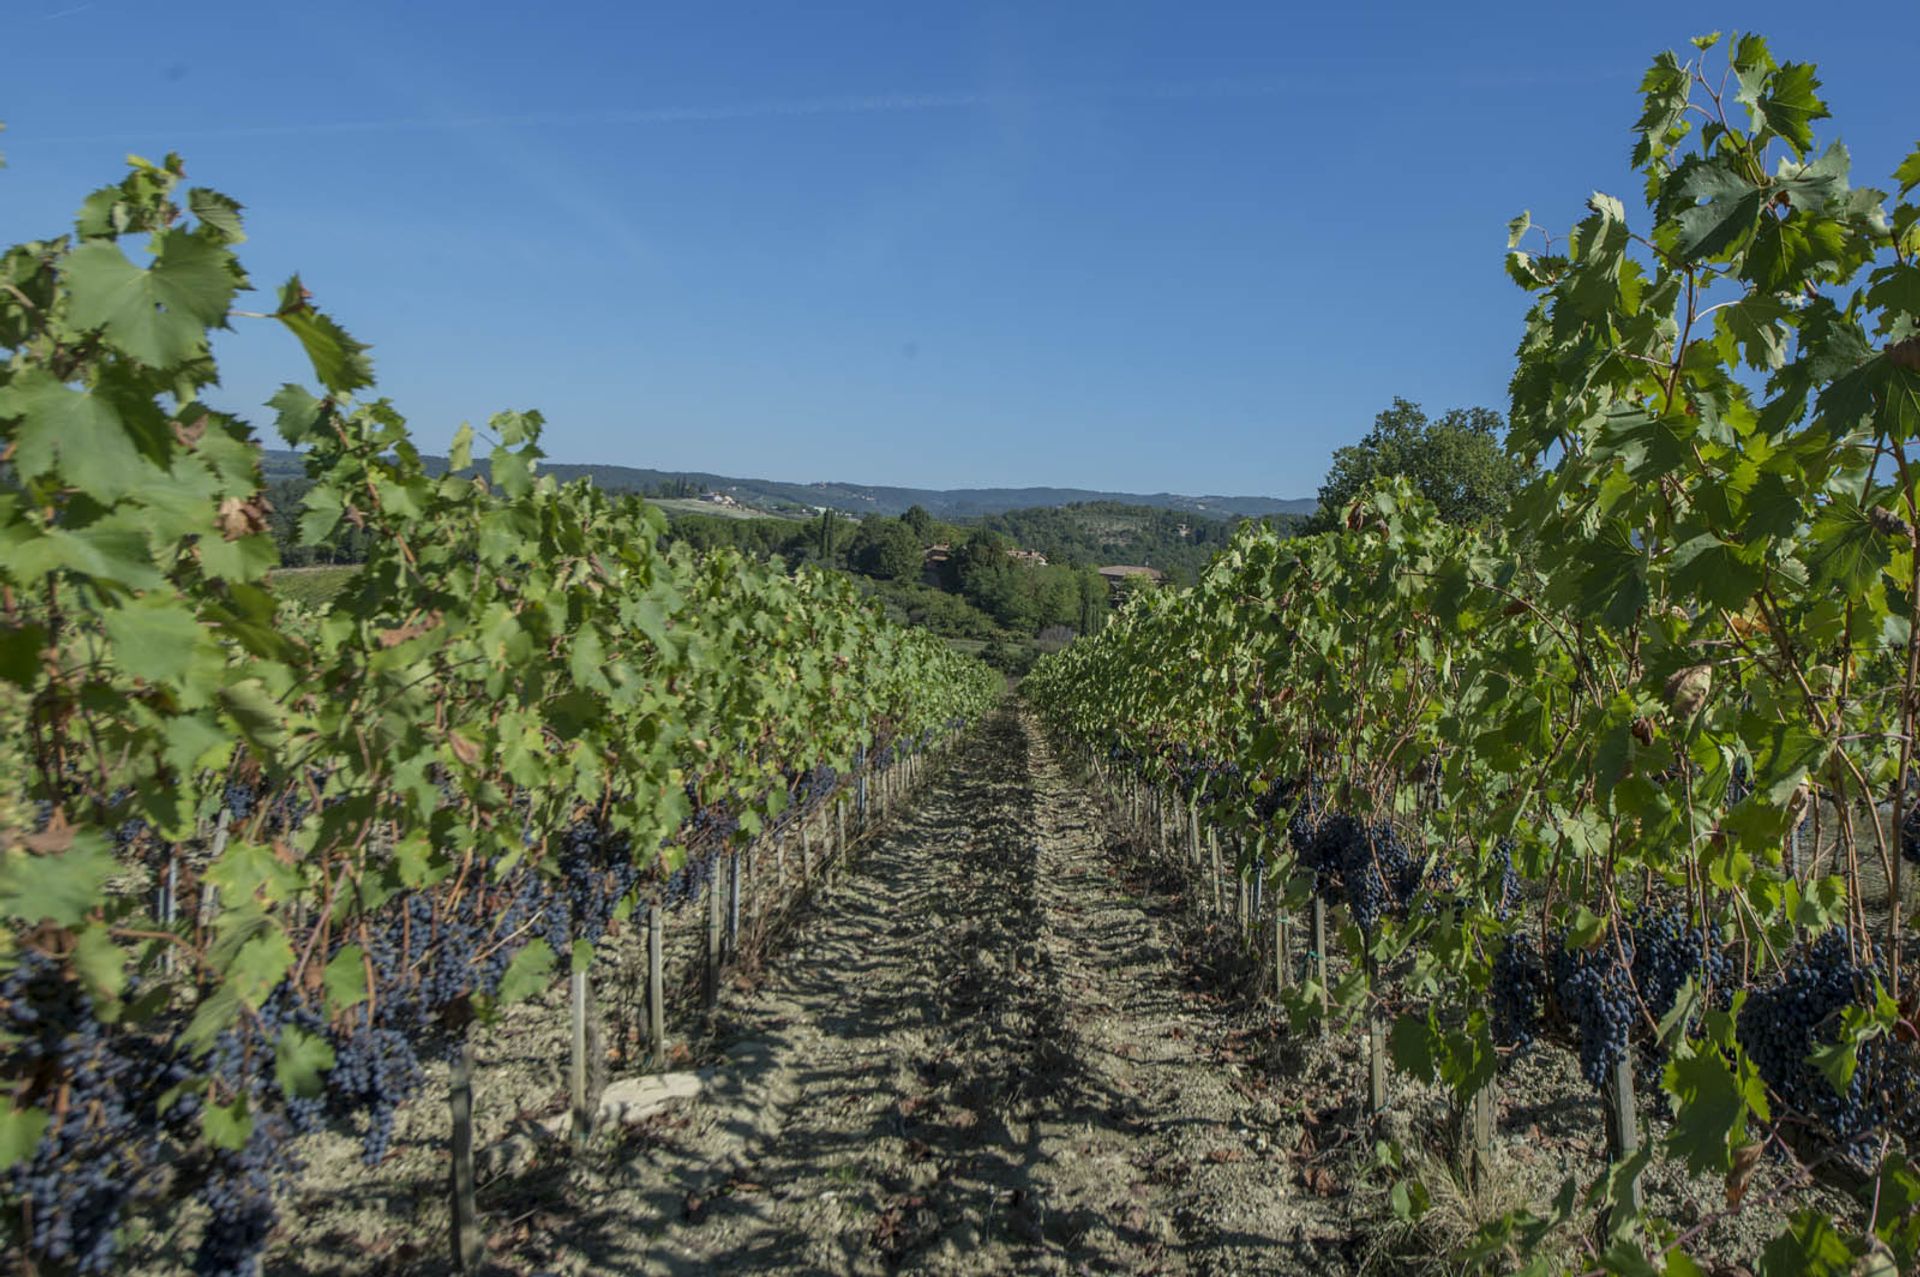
981,1055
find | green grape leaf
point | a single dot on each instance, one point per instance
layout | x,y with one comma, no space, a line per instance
1717,572
298,413
1788,105
61,887
1711,1113
261,963
340,362
300,1059
1725,208
255,712
345,979
227,1126
1810,1247
1754,329
156,638
1908,173
160,315
1846,548
217,212
20,1132
460,452
1413,1044
22,647
530,971
77,434
101,966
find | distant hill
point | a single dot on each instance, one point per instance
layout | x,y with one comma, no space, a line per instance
857,498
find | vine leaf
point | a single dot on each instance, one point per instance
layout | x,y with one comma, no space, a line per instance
1847,550
1787,105
63,888
158,316
340,362
77,433
527,974
300,1058
1727,208
1712,1110
155,638
227,1126
20,1132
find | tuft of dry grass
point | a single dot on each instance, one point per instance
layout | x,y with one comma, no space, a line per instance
1457,1209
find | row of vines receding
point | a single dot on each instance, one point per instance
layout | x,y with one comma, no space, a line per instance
1631,774
260,860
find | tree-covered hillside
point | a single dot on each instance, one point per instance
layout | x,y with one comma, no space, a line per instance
859,499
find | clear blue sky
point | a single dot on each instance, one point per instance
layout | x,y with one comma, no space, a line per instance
1181,246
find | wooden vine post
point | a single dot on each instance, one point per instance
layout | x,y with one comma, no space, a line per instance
581,993
1376,1047
1482,1120
1623,1126
469,1246
731,949
1218,871
712,983
1282,947
656,985
1319,958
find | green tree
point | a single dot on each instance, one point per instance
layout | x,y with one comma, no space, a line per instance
886,548
920,522
824,535
994,583
1459,462
1093,601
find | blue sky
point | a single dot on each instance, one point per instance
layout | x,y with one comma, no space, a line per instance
1184,247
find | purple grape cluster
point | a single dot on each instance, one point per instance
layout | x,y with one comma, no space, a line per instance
102,1148
1781,1025
1517,994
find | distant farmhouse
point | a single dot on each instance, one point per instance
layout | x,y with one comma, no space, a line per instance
1120,576
940,553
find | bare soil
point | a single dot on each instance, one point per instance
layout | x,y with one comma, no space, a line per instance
1005,1043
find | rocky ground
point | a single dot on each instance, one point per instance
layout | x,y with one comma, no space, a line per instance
1002,1044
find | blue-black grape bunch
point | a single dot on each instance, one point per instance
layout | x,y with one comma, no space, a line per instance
1517,994
1370,864
238,1195
1783,1023
596,873
102,1148
1309,807
1196,774
1668,950
689,881
807,791
708,832
375,1070
1595,993
1611,994
236,1185
1508,891
1910,830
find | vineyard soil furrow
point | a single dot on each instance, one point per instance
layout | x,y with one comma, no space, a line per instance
981,1053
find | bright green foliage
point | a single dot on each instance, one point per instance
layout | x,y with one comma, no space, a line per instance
509,654
1456,462
886,548
1694,625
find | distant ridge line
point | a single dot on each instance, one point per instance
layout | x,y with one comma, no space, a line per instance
857,498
